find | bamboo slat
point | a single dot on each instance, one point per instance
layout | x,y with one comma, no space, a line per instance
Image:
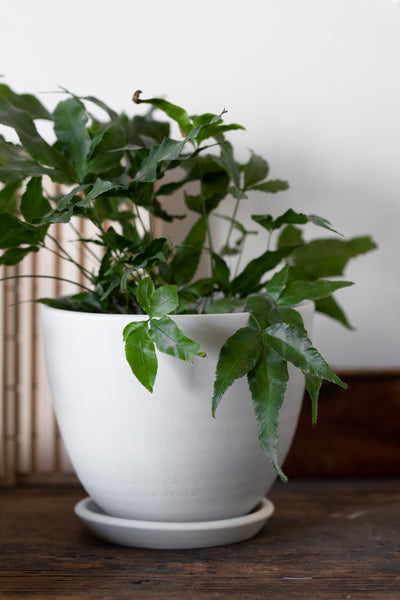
31,449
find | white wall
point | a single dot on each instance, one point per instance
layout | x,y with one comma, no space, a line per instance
316,83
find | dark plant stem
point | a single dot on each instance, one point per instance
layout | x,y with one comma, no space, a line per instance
66,256
54,277
232,224
81,241
205,216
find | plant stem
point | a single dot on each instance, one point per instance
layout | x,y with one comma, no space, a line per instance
46,277
85,244
67,256
208,230
233,219
239,258
210,244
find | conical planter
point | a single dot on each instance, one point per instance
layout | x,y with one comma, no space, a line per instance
160,458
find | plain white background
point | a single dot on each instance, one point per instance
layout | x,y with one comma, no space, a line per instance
315,82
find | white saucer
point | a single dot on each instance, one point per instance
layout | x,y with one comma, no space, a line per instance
167,535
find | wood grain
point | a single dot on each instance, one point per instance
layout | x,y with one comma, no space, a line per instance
329,539
358,430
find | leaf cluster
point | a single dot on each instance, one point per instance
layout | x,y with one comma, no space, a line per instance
141,338
120,173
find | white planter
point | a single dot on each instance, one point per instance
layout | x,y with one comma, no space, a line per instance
160,456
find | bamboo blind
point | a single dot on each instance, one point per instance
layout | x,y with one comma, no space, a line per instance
31,450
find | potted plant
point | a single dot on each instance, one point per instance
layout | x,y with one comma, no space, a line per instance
159,463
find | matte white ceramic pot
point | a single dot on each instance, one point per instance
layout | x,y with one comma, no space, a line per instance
160,456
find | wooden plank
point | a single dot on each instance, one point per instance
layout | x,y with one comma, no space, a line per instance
44,427
327,540
10,380
358,429
25,341
2,383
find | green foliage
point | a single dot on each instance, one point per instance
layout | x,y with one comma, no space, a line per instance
187,255
170,339
163,301
114,173
249,280
313,384
141,339
8,196
274,337
140,353
294,346
275,285
267,383
238,356
296,291
255,170
290,217
327,257
144,293
70,120
34,206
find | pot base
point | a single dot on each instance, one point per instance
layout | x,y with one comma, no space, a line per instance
168,535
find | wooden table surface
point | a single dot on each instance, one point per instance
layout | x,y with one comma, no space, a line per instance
327,539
